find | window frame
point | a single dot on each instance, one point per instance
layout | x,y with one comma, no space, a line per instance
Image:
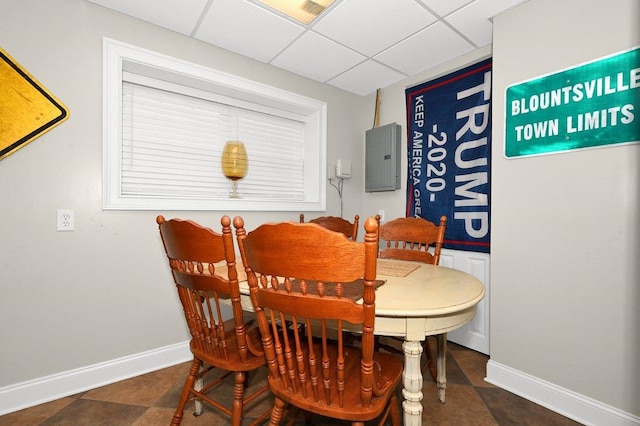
121,57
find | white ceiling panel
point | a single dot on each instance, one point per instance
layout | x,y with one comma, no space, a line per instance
428,48
247,29
317,57
355,45
366,77
445,7
181,17
474,20
377,26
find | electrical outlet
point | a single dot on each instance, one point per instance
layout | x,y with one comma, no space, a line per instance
381,214
65,220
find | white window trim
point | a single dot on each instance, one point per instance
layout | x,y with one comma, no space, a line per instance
117,55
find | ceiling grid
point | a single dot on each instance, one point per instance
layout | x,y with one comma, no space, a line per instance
355,45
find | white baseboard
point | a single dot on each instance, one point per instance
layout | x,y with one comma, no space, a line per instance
563,401
34,392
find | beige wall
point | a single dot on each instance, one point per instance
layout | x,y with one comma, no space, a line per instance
75,299
565,239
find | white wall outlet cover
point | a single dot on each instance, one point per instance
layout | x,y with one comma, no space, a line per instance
65,220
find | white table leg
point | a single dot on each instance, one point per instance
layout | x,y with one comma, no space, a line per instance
442,365
197,411
412,380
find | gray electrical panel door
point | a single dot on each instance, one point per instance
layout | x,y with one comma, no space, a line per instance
382,158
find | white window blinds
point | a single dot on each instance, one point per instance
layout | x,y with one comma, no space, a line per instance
166,122
172,144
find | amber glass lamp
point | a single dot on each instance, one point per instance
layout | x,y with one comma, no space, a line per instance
234,164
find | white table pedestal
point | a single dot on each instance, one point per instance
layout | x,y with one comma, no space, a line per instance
412,381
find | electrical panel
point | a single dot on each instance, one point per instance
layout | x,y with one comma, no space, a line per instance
382,158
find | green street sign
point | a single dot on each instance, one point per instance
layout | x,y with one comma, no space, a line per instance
591,105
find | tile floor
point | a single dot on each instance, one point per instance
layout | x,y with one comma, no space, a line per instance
150,399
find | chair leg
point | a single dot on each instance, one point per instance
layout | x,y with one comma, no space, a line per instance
431,366
238,395
395,411
186,389
277,412
442,365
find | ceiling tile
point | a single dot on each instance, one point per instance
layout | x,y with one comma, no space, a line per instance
247,29
177,16
474,20
317,57
371,26
445,7
366,77
428,48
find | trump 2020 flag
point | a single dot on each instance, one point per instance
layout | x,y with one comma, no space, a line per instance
449,154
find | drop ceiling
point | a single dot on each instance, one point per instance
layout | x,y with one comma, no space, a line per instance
355,45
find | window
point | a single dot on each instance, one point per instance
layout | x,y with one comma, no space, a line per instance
166,122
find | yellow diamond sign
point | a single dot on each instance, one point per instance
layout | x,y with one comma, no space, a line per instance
27,109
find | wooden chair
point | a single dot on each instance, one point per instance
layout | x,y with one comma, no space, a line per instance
417,239
412,238
204,270
310,277
337,224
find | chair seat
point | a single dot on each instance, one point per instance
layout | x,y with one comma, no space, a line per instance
352,409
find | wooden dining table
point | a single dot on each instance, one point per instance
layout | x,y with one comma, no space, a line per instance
415,301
